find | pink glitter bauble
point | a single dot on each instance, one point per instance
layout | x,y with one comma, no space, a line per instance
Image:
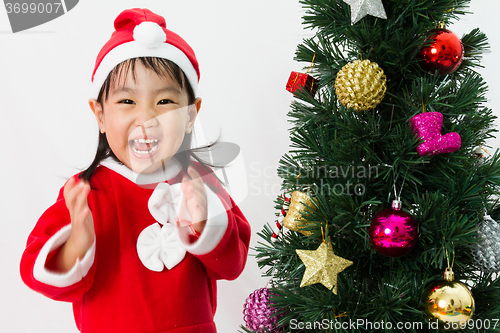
258,312
393,232
427,127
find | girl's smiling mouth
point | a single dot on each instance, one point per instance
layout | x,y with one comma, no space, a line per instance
143,146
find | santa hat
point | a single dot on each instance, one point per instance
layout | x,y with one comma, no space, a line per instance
142,33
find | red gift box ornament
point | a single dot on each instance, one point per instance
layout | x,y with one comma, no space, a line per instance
302,81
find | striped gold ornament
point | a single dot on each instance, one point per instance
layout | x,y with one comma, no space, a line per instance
300,202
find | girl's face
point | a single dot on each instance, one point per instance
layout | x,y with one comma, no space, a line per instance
146,119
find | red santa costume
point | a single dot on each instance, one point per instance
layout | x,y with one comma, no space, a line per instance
143,273
121,285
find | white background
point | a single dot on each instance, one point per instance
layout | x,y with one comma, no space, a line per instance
48,133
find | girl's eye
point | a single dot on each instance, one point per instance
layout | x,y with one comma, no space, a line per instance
165,101
127,101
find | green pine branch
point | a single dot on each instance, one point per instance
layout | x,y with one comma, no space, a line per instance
351,162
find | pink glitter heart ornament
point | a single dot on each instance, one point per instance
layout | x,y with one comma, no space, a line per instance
427,126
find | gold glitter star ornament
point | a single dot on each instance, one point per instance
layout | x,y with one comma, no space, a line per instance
361,8
322,266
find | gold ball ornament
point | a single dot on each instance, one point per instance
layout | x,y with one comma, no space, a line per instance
361,85
299,202
449,303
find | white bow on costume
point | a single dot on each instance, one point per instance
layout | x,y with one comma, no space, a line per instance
159,246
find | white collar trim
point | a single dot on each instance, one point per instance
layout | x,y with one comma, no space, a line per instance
172,168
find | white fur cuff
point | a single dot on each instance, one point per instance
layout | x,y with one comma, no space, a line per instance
214,229
74,275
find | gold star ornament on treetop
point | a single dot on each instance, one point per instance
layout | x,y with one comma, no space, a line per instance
322,266
361,8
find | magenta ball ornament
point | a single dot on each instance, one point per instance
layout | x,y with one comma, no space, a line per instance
258,312
393,232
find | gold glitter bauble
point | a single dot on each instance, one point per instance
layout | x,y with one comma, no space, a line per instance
299,202
322,266
449,303
361,85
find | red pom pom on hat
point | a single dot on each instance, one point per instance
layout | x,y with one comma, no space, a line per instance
142,33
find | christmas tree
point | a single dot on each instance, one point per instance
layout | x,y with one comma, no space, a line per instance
387,189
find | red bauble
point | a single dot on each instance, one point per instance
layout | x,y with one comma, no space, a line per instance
393,232
444,54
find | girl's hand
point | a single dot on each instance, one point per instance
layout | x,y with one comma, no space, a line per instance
82,224
196,199
82,227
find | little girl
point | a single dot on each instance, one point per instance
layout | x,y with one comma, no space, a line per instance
137,241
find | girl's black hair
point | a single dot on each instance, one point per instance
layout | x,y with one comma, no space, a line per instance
162,67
